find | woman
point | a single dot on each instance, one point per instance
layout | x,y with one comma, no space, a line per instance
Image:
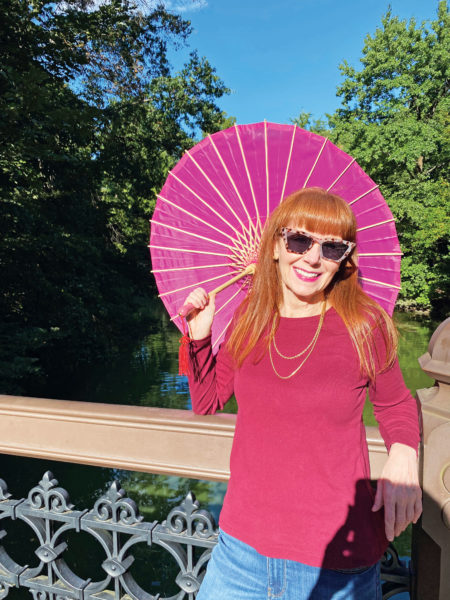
300,519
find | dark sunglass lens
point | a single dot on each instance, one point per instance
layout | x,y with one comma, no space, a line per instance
334,250
298,243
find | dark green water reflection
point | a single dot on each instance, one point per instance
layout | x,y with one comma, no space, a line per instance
147,376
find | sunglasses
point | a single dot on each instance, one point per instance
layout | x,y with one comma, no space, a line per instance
331,248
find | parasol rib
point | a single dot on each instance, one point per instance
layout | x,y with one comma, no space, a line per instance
204,202
266,150
232,182
343,173
231,298
195,267
218,192
177,316
249,270
390,285
188,307
380,254
201,237
315,162
248,175
288,162
241,257
230,237
195,284
375,224
187,250
365,194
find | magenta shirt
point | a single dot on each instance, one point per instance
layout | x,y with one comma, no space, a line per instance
300,477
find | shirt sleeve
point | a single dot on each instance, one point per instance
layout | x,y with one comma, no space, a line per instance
397,412
211,378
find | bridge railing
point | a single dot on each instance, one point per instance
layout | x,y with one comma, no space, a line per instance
177,442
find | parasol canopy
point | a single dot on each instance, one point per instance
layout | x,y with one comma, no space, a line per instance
210,214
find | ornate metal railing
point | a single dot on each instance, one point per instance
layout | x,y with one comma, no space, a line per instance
176,442
115,523
188,534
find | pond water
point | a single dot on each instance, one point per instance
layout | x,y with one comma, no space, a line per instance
147,376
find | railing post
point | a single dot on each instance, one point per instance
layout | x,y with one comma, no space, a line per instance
431,537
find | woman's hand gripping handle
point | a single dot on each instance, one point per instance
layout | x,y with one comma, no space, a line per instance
200,313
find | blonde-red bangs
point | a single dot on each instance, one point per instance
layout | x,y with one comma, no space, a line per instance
317,211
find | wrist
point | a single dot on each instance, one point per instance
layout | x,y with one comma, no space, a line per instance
199,334
399,449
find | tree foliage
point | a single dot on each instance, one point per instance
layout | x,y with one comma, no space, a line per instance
395,120
92,119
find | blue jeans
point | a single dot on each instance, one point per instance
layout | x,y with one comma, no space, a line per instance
238,572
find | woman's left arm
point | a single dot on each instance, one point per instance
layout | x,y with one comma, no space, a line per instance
399,417
398,490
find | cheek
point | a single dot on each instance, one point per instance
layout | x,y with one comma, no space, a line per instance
332,270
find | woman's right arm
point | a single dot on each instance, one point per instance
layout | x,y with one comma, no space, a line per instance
211,378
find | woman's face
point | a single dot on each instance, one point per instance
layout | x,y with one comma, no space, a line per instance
304,276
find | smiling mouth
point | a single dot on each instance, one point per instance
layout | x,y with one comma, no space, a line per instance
305,275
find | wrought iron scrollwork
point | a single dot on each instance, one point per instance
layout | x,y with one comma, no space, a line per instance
115,523
396,575
188,519
114,505
48,495
4,495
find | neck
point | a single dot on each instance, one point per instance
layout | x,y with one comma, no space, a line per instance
302,308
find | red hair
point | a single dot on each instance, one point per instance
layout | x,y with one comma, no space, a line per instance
320,212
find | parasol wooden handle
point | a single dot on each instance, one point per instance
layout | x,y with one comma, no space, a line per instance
249,270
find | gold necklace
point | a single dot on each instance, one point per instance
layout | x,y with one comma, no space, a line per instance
310,346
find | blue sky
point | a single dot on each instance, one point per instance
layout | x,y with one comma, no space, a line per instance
281,57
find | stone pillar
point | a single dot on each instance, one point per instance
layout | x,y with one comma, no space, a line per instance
431,537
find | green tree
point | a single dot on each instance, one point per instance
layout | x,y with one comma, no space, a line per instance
320,126
395,120
92,118
142,139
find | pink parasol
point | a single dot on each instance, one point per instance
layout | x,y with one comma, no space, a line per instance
210,214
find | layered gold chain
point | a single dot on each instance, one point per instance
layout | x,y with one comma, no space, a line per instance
309,347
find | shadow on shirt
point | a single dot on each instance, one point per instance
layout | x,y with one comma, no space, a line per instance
355,547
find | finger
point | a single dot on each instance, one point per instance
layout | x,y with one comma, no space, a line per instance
389,514
193,299
198,293
198,298
378,501
411,507
409,512
400,518
417,508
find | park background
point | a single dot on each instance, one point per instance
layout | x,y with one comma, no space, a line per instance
98,100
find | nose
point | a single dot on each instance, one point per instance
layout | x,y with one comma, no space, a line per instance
312,256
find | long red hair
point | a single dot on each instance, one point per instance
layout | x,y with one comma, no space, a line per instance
317,211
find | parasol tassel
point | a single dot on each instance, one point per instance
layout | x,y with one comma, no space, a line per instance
183,357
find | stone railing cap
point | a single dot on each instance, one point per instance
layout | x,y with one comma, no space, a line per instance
436,362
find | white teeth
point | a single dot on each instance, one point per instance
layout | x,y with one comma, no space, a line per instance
306,274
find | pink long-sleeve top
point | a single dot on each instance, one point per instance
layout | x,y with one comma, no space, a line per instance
300,477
